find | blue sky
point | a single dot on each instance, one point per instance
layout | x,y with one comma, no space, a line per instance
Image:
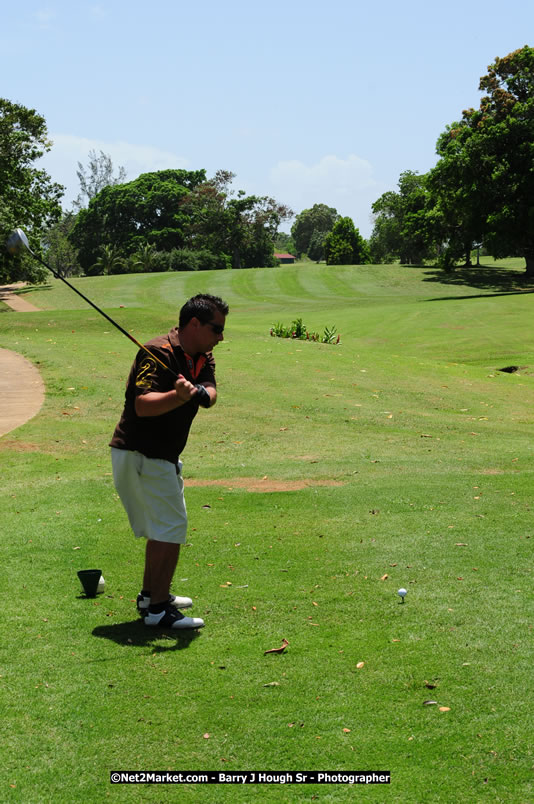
310,102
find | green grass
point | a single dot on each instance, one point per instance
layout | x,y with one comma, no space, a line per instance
427,451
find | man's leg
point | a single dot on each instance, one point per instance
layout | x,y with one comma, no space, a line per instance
160,563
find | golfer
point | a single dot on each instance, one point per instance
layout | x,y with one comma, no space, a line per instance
149,439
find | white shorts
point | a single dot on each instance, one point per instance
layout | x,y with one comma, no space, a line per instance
152,494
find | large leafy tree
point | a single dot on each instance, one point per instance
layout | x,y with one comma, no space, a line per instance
458,195
126,216
485,178
28,196
386,238
344,245
504,135
253,224
310,229
240,226
404,223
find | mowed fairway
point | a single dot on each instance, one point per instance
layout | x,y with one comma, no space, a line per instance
325,478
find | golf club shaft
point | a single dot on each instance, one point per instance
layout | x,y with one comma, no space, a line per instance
111,321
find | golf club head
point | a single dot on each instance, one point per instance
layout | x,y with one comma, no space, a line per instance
17,242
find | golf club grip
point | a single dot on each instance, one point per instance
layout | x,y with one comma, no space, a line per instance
111,321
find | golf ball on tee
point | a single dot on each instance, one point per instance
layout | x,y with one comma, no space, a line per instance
402,593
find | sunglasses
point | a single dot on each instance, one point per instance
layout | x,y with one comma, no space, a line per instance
218,329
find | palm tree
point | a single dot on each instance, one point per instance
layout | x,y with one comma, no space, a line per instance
109,262
143,260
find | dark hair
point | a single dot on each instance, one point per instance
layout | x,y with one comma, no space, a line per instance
202,306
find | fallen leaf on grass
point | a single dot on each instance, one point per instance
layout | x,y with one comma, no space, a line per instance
430,686
460,544
444,709
206,736
430,703
384,577
281,649
360,665
272,684
347,731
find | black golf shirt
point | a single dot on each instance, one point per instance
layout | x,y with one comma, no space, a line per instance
162,436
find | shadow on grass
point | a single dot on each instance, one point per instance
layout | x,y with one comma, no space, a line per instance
135,633
495,280
21,291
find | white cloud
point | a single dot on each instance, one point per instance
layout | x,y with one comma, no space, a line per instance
346,184
44,17
61,162
98,12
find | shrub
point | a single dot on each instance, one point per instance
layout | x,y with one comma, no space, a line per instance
298,331
188,259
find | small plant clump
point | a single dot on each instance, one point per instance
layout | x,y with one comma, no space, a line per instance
298,331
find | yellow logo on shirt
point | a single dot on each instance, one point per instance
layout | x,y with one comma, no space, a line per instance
146,373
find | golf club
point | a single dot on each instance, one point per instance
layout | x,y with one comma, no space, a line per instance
17,242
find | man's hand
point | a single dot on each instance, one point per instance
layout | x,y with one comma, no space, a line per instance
158,403
184,389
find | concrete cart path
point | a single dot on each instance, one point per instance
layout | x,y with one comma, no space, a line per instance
22,390
13,300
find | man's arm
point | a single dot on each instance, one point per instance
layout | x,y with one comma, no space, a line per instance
156,403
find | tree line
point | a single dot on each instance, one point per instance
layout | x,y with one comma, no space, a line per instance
479,194
161,221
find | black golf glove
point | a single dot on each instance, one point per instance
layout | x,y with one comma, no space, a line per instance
202,396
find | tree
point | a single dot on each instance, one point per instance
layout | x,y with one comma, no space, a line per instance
173,210
458,197
109,261
126,216
28,196
344,245
310,229
385,243
504,136
242,227
208,217
404,225
254,222
284,242
144,260
60,253
485,177
98,176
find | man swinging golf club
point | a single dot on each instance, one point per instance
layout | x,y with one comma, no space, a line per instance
149,439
